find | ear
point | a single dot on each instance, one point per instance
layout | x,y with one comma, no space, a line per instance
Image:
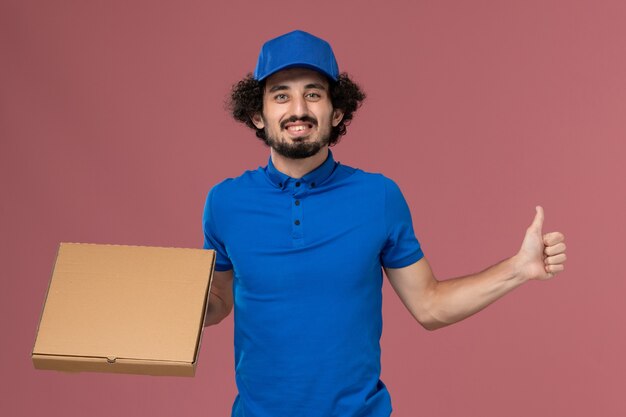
337,116
257,120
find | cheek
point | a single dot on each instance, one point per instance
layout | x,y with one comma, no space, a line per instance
270,121
271,114
325,115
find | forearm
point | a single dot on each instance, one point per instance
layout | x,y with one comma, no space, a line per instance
436,304
216,311
455,299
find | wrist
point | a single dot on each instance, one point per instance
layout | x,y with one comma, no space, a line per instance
516,269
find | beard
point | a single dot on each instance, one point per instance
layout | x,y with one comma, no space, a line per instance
300,149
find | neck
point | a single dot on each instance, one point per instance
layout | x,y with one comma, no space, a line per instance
298,168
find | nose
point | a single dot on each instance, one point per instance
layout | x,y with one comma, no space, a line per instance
299,107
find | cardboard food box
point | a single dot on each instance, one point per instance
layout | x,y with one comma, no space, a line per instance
126,309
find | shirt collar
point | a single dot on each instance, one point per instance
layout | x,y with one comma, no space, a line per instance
313,178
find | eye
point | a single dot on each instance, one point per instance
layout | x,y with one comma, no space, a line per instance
313,95
280,97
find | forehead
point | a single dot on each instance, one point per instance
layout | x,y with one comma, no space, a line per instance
295,76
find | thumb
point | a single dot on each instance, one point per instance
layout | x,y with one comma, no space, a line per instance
537,223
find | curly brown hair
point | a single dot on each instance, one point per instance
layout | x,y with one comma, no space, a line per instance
246,99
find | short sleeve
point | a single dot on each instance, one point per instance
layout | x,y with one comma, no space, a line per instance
211,238
401,247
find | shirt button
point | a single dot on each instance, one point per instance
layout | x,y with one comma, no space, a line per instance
298,184
280,184
297,202
312,184
297,222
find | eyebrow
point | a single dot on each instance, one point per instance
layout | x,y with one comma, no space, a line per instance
279,87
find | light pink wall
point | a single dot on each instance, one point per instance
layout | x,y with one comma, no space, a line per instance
112,130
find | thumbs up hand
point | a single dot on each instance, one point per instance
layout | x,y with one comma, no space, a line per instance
541,256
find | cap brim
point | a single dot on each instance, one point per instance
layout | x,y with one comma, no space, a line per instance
297,65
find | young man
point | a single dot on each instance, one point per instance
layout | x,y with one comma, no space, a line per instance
301,245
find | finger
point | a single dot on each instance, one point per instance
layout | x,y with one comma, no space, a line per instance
537,223
557,259
553,238
554,249
554,268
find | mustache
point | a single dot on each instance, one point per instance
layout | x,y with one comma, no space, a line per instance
293,119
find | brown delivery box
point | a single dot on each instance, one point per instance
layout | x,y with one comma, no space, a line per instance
127,309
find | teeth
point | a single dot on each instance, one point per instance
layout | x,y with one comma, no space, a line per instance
300,127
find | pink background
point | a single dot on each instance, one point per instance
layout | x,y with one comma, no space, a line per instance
112,130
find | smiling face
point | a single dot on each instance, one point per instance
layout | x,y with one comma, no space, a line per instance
298,115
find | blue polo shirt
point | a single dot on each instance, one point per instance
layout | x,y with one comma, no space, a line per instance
306,255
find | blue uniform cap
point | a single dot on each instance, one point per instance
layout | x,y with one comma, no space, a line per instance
296,49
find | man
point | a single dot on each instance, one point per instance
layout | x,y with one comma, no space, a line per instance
301,245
